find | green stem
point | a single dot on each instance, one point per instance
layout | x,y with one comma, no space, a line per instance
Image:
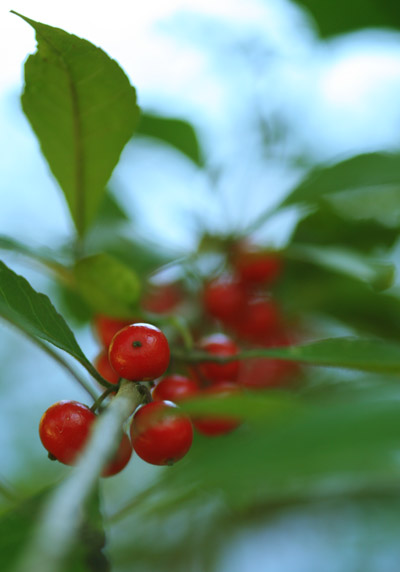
59,359
102,397
59,524
199,356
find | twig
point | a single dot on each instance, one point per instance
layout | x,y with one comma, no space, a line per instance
59,524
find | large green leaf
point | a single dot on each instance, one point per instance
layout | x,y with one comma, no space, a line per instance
345,261
107,285
326,226
343,16
373,177
18,523
83,111
311,290
175,132
34,314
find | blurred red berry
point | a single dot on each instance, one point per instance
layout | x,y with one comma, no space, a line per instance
224,298
260,319
106,327
162,298
104,368
255,266
212,425
175,388
219,345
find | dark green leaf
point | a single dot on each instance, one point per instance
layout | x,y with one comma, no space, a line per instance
325,226
340,17
107,285
307,289
345,261
373,178
34,314
175,132
83,111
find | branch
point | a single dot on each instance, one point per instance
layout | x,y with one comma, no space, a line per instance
59,524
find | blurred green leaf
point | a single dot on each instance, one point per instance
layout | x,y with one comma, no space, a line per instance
110,211
341,17
175,132
17,525
345,261
34,314
310,290
373,177
325,226
107,285
83,111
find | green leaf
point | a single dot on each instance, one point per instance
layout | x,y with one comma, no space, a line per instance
175,132
107,285
345,261
373,177
34,314
325,226
18,523
341,16
83,111
309,289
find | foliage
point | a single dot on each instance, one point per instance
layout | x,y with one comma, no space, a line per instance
332,434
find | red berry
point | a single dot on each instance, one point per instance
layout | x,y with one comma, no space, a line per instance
260,320
139,352
254,266
104,368
266,373
223,346
107,327
224,297
175,388
160,434
120,459
162,298
64,430
212,425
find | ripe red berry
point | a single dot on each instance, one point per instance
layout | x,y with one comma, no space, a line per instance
175,388
104,368
212,425
255,266
162,298
266,373
107,327
160,434
139,352
64,430
222,346
260,319
224,297
120,459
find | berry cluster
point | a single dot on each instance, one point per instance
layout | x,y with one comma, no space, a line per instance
238,308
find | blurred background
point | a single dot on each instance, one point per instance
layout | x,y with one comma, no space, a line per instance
271,88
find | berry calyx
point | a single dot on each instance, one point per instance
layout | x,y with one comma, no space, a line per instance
212,425
64,430
175,388
161,435
139,352
106,328
222,346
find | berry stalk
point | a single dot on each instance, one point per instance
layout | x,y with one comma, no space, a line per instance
61,517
